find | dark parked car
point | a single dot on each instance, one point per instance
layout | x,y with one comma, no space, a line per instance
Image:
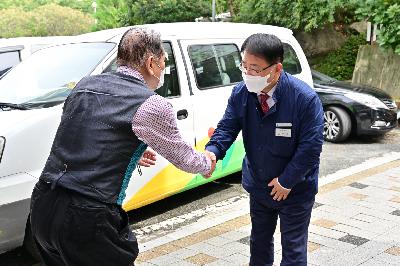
356,109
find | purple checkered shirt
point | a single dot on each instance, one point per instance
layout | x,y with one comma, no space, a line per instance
155,124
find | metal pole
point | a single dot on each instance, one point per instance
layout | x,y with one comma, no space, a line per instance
213,10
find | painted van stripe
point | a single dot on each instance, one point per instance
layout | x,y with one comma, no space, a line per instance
170,180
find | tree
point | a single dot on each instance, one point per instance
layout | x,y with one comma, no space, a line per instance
297,15
231,6
28,5
44,20
159,11
110,14
53,20
386,14
15,22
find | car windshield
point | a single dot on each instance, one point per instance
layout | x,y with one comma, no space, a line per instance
47,77
320,78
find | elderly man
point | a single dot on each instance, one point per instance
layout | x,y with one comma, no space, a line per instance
281,119
107,123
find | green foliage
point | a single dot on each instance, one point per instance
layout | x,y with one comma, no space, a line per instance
29,5
297,15
15,22
163,11
54,20
44,20
385,13
232,6
110,14
340,63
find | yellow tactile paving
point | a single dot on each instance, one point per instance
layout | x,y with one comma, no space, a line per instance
311,246
395,199
393,251
324,223
357,196
201,259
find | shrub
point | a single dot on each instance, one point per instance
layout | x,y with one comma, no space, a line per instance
47,20
159,11
386,14
296,15
340,63
15,22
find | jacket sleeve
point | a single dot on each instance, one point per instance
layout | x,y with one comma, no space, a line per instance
227,130
309,147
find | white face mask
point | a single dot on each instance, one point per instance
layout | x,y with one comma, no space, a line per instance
256,83
161,79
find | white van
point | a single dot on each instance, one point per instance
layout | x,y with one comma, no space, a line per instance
202,68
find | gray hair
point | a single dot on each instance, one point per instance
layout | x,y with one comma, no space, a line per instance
136,45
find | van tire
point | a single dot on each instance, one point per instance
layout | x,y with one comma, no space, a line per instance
29,243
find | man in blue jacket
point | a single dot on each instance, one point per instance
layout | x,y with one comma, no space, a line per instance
281,119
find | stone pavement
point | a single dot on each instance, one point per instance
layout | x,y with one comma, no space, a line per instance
355,221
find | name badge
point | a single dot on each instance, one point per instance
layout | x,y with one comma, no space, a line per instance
283,124
283,132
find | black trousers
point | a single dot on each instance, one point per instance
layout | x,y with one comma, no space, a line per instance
71,229
294,222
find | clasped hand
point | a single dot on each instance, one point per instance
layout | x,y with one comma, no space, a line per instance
213,160
278,191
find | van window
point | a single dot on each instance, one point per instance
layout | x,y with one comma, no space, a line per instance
215,65
51,73
8,60
171,85
291,63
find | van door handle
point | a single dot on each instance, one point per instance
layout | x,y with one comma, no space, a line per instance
182,114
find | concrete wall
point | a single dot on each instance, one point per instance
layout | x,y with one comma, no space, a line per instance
378,68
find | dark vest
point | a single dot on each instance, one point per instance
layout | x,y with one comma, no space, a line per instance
95,150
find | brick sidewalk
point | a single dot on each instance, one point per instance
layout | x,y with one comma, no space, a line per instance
355,221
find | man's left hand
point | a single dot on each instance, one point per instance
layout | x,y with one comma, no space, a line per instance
278,192
148,158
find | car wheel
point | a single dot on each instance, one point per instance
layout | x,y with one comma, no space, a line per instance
29,243
337,124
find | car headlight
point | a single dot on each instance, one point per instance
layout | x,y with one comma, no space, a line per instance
368,100
2,144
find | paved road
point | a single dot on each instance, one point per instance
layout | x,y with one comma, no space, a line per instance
334,157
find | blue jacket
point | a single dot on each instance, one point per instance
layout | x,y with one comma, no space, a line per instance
294,157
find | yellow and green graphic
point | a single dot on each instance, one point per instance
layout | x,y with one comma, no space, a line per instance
170,180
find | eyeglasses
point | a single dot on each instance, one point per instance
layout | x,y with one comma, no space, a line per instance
254,70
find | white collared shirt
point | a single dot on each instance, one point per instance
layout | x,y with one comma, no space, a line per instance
270,100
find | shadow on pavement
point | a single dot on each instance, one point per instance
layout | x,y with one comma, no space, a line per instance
183,198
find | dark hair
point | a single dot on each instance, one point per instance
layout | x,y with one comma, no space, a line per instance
264,45
136,45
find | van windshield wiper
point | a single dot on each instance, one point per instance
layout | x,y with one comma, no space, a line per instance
13,106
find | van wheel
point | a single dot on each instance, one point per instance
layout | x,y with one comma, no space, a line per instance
337,124
29,243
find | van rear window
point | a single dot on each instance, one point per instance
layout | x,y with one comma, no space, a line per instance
291,63
215,65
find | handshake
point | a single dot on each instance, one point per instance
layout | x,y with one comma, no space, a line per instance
213,160
149,158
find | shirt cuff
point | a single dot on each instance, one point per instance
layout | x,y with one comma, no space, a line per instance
214,150
284,186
